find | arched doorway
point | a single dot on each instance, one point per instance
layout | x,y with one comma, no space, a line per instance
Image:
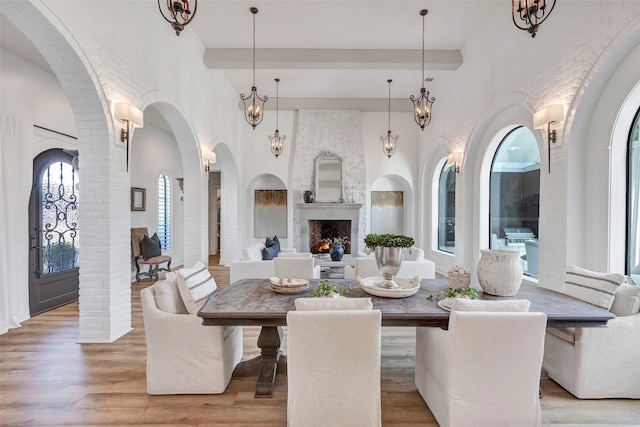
54,242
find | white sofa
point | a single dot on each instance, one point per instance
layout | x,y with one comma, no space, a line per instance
593,363
184,356
252,266
412,265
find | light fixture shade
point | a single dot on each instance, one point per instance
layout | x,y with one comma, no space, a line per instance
455,158
208,156
550,114
123,111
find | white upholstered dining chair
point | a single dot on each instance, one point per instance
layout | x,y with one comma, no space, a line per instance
333,356
485,369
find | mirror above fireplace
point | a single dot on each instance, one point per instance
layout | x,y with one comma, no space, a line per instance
328,178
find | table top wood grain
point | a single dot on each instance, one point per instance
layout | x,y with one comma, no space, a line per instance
252,302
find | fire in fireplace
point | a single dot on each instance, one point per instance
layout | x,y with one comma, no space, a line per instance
327,229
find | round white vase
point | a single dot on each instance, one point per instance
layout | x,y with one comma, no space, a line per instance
499,272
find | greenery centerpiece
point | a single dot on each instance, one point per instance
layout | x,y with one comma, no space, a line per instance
326,289
389,250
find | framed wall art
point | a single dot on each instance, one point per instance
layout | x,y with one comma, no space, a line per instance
270,213
138,199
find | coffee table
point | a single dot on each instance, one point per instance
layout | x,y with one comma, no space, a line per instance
252,302
333,269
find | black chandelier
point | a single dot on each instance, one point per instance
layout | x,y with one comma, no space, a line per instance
422,104
389,142
277,140
532,12
179,13
255,105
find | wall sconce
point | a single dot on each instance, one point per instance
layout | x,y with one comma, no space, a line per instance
132,117
455,159
551,114
208,157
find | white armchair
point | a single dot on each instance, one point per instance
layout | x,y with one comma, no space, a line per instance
366,267
183,356
484,370
333,371
298,267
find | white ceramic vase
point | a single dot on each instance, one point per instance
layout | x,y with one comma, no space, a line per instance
499,272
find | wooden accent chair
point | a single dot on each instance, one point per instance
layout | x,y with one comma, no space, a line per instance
154,263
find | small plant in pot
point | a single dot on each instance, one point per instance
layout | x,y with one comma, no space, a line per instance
336,247
388,249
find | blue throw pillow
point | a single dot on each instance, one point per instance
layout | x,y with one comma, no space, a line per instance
269,252
273,242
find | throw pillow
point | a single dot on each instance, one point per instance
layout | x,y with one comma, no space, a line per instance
593,287
195,285
269,252
626,301
513,305
168,296
273,242
310,304
150,247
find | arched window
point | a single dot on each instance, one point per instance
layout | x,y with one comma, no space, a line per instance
447,209
164,211
633,200
514,204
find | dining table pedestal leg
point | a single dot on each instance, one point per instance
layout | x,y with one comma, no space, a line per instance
270,362
273,360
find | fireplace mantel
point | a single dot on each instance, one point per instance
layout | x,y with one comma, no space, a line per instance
328,211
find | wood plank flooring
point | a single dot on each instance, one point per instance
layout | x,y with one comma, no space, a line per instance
47,379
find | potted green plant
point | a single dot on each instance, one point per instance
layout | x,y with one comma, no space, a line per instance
336,247
330,290
389,250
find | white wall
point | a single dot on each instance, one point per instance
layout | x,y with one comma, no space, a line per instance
33,95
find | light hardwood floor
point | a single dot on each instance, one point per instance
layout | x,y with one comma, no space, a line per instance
47,379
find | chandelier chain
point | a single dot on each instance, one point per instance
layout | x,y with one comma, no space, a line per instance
423,50
254,49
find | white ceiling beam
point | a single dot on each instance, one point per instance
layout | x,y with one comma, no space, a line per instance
333,59
361,104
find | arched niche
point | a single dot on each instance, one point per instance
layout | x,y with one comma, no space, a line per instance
391,208
265,209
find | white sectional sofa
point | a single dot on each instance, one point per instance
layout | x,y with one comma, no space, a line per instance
252,266
594,363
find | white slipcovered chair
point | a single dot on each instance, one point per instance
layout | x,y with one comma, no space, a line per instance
597,363
333,356
301,267
366,267
485,369
184,356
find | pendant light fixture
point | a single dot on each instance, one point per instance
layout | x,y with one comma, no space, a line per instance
389,142
422,104
277,140
532,12
253,103
178,12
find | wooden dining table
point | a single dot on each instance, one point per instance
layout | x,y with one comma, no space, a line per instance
252,302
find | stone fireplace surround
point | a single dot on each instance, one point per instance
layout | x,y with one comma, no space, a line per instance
328,211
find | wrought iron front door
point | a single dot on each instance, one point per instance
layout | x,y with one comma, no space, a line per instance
53,232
